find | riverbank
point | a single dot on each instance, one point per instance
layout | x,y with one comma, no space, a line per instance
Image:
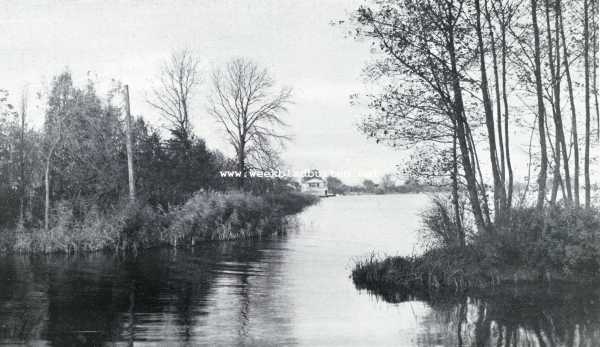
562,245
207,216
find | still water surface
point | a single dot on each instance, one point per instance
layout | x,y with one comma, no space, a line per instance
288,290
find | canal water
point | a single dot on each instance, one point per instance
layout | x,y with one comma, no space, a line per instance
286,290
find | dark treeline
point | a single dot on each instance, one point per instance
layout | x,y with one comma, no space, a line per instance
87,158
92,167
387,185
459,82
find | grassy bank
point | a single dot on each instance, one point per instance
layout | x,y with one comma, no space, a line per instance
562,245
206,216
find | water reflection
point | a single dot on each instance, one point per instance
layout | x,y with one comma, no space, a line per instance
161,295
288,290
560,315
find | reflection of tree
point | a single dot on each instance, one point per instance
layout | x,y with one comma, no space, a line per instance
526,316
23,301
160,295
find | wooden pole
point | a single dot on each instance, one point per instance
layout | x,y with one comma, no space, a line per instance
129,147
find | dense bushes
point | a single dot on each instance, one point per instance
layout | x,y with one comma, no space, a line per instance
563,244
206,216
225,216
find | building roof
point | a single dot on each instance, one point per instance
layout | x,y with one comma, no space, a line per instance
312,179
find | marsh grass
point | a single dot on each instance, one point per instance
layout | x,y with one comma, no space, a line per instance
207,216
562,245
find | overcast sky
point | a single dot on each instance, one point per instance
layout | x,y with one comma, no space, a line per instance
128,40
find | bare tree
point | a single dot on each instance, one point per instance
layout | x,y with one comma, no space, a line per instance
248,108
22,181
540,108
574,136
178,78
586,65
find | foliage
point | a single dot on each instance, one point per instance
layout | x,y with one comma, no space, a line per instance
206,216
249,110
440,227
563,244
232,215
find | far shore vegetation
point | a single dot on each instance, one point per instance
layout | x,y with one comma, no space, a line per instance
388,184
459,86
94,177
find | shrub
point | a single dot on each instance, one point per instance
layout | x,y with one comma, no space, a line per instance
439,224
205,216
561,244
233,215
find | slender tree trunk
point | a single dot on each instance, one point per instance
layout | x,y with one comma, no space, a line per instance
130,170
47,180
498,100
22,182
572,104
455,200
47,188
499,192
595,65
559,120
47,196
556,112
241,166
556,181
477,167
503,24
586,64
541,110
497,93
458,109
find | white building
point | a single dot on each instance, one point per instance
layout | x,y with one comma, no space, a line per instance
315,186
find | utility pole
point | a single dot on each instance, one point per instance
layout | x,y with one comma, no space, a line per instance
22,158
129,147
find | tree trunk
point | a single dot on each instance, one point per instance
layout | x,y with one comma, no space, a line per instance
22,161
556,112
47,184
458,109
556,181
460,121
559,121
455,200
586,65
47,195
499,192
477,169
541,111
573,111
595,66
503,23
130,171
497,94
241,166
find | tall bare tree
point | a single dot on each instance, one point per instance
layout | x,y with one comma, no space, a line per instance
499,189
248,108
586,65
574,136
178,78
540,108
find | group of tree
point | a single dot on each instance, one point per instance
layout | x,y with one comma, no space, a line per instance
458,78
388,184
79,158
